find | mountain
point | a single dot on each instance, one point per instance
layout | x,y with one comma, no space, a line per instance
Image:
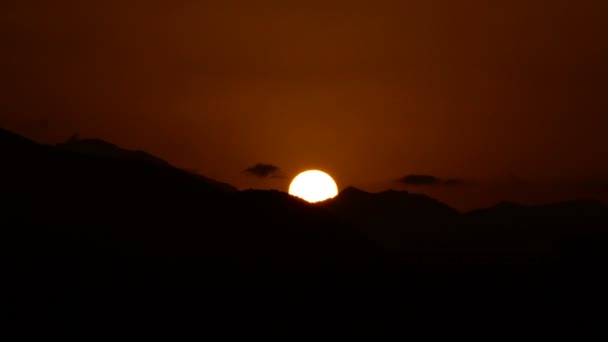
98,202
119,202
553,232
399,220
418,229
104,149
95,239
388,207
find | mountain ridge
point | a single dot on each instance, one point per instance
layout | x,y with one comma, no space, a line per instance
121,201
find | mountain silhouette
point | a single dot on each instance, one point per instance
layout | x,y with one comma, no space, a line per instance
556,231
398,220
101,198
104,149
416,228
119,201
387,207
93,232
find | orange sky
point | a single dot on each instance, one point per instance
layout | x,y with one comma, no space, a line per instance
368,90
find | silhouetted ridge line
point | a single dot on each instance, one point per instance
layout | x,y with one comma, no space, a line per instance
57,200
391,200
105,149
94,203
9,140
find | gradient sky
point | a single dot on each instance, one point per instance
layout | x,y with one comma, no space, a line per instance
509,94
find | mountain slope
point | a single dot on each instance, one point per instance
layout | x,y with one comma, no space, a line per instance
557,231
60,201
419,229
397,219
104,149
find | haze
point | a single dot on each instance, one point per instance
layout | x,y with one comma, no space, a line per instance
507,99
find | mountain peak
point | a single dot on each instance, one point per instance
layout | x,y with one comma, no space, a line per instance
395,192
352,191
388,204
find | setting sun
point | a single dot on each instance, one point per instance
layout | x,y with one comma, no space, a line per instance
313,186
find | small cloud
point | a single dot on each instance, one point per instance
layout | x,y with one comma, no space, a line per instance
420,180
263,171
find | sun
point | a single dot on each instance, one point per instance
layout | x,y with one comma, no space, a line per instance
313,186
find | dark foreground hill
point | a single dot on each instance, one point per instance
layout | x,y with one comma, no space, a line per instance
92,234
119,202
416,229
63,200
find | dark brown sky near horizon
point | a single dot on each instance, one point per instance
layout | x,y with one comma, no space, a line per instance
484,91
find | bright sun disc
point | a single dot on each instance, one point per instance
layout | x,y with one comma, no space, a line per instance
313,186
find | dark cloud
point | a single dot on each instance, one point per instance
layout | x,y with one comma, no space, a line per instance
420,180
263,171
